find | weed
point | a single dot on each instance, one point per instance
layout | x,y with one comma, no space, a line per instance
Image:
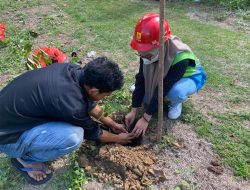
167,141
17,46
8,177
78,176
220,16
118,101
246,15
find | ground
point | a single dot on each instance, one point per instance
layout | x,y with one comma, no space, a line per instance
188,162
208,148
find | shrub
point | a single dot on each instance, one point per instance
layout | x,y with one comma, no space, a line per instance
231,4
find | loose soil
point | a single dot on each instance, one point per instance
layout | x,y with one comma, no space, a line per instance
123,167
187,162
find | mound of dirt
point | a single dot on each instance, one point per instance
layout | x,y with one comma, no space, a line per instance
122,167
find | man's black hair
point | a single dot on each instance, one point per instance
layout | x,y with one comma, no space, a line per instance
103,74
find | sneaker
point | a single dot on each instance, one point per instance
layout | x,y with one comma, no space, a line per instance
175,111
132,88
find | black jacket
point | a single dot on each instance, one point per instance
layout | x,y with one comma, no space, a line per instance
53,93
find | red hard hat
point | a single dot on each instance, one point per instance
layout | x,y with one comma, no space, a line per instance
146,34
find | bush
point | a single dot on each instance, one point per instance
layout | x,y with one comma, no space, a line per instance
231,4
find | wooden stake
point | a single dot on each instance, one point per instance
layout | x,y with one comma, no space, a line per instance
161,71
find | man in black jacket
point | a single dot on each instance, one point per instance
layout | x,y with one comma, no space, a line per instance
46,113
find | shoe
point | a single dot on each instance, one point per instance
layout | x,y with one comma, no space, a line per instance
132,88
24,172
175,111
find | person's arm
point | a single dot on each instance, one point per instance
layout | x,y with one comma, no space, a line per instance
137,96
175,73
122,138
139,91
92,130
98,114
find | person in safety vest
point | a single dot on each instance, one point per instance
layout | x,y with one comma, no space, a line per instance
184,78
48,112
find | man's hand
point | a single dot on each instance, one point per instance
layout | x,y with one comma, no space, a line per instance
122,138
125,138
119,128
130,117
140,127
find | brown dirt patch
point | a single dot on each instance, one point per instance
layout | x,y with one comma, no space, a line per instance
124,167
187,159
191,164
4,78
218,17
31,18
207,101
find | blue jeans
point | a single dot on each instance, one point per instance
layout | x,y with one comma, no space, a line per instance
181,91
185,87
45,142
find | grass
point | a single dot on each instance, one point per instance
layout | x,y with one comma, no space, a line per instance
231,138
106,27
15,47
8,176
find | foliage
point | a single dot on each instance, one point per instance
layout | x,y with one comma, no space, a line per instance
77,175
35,60
15,48
119,101
232,4
78,178
167,141
7,175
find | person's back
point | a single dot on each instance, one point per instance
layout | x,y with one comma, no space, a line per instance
33,98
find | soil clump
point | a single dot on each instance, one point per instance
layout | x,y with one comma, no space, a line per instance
121,166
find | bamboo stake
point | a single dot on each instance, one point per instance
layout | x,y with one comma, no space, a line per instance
161,70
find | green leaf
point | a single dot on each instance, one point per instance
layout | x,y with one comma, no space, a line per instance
184,183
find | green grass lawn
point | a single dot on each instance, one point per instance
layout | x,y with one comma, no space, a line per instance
106,27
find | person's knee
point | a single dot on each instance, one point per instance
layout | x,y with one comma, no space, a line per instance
177,93
75,138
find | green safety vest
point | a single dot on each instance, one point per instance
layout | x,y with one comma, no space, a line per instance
191,70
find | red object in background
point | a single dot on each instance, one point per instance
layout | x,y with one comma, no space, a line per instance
2,31
55,54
